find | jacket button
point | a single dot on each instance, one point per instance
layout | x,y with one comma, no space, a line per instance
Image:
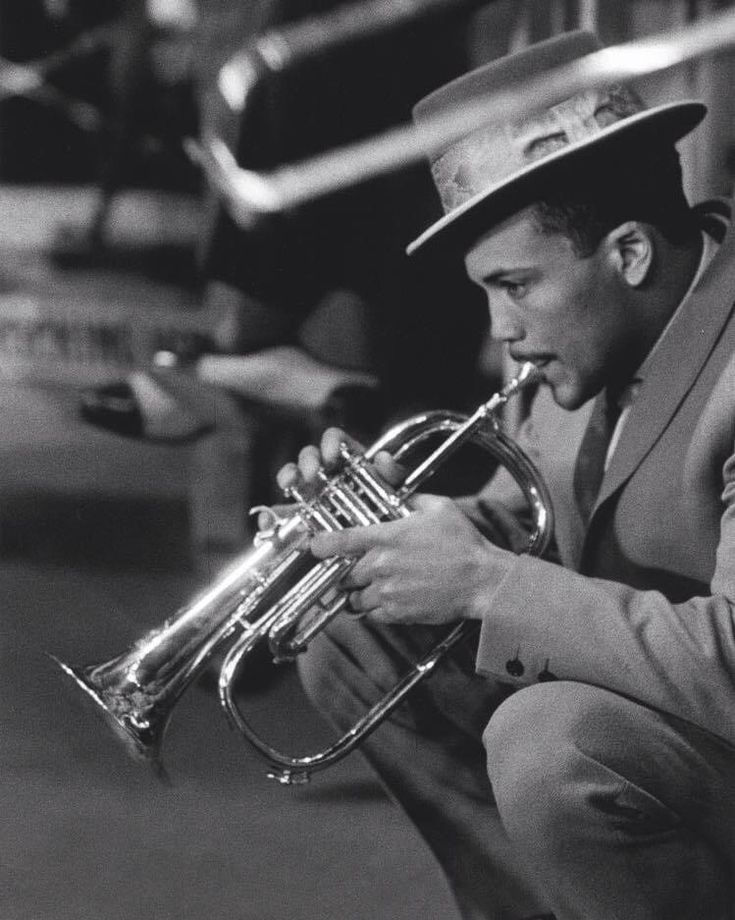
514,666
546,674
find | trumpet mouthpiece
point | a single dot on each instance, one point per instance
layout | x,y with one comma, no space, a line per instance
526,376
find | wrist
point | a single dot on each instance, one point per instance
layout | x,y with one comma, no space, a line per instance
491,565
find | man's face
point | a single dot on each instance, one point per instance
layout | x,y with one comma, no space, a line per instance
569,315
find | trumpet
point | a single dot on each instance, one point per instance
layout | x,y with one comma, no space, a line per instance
277,592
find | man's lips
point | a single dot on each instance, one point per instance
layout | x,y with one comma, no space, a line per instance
540,361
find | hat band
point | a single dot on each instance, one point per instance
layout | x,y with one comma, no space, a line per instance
495,153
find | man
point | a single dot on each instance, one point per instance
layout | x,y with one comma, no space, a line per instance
580,760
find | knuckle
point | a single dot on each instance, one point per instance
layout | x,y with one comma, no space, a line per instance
378,564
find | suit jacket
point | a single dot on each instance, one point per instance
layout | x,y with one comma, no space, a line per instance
644,599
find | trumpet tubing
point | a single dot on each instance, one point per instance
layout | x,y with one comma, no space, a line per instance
276,592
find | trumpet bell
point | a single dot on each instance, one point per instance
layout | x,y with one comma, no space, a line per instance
140,730
135,692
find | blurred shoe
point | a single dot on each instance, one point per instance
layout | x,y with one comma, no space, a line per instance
78,246
142,407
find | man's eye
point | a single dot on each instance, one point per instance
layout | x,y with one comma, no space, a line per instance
514,289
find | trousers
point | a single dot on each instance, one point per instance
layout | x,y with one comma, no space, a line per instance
560,797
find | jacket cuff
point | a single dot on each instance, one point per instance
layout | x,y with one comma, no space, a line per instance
513,624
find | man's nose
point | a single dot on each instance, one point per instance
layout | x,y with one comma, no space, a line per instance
505,325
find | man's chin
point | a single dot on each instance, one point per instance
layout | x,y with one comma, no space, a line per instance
567,395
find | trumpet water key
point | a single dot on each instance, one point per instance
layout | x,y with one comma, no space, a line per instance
277,592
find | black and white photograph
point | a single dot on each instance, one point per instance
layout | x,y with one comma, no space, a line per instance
367,459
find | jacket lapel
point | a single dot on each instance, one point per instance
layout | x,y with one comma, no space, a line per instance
674,367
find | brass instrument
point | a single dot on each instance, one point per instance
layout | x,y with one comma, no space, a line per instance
277,592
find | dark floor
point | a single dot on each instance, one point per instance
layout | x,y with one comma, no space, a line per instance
94,550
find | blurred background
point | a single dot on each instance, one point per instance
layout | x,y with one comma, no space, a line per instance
116,260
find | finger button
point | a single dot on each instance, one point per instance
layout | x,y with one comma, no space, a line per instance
546,674
514,666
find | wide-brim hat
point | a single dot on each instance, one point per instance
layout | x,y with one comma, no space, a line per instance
497,169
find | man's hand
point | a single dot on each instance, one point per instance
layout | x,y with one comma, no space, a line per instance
431,567
303,474
327,455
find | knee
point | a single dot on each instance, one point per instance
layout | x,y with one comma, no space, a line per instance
535,761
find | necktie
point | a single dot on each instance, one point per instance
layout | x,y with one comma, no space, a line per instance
590,466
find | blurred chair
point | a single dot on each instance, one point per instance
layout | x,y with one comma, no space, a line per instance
331,279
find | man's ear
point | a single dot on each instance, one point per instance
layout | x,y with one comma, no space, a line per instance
631,250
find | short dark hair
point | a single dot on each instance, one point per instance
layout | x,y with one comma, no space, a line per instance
587,202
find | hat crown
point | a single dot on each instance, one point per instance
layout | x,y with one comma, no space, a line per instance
505,72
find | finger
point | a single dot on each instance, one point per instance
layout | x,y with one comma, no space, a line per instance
425,503
310,462
388,469
358,576
265,520
382,616
331,443
289,476
268,517
362,601
351,542
508,532
516,536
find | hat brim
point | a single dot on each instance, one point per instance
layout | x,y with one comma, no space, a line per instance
467,222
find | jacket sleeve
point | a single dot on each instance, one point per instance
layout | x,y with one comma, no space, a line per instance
679,658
